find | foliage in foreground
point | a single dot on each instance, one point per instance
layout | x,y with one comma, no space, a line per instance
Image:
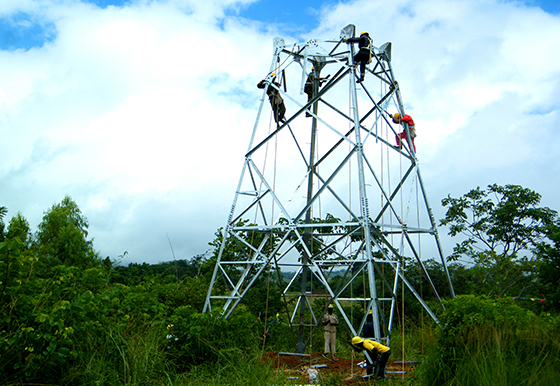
68,317
493,342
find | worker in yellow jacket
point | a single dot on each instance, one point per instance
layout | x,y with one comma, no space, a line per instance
377,353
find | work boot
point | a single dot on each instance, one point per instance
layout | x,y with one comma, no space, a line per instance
360,80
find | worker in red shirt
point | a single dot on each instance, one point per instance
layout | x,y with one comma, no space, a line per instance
408,126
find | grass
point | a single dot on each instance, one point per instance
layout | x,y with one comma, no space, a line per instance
496,356
488,355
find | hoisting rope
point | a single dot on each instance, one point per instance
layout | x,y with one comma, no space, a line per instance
420,255
266,326
402,264
350,124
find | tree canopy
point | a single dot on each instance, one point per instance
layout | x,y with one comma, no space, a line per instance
500,226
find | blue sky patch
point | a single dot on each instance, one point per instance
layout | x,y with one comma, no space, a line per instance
106,3
550,6
20,31
294,15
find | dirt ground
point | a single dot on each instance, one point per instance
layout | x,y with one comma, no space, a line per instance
299,367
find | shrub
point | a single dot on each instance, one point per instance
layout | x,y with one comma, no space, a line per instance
195,338
494,342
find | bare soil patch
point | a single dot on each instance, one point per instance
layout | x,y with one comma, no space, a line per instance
299,368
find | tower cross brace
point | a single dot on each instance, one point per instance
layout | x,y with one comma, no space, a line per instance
327,193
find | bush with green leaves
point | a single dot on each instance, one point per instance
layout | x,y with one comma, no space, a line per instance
41,308
196,338
55,297
493,342
41,314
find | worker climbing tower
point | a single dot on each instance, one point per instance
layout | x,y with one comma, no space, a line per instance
326,193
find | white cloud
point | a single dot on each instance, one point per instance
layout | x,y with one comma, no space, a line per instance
454,57
142,113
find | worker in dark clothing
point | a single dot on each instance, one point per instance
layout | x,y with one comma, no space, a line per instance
363,57
308,87
276,101
397,118
377,353
368,327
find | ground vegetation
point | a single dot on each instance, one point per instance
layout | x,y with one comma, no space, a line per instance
69,316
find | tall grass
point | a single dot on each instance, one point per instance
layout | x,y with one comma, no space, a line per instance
494,344
496,357
414,341
246,370
135,355
131,354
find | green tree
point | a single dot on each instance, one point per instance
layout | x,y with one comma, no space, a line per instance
19,227
62,236
58,311
500,227
549,268
3,212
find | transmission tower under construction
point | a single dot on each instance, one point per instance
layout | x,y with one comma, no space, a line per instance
329,193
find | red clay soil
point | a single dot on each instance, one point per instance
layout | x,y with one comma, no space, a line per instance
296,367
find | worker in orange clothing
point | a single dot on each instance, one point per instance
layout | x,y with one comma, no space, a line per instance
377,353
397,118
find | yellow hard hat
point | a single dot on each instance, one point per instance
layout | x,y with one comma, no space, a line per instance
397,116
273,74
330,306
357,340
370,312
364,33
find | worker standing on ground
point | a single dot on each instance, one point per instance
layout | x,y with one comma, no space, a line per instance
368,327
377,353
276,101
408,126
363,57
330,321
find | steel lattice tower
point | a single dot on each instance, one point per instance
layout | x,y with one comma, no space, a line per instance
328,192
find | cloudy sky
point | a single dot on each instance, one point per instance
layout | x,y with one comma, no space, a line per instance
141,110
